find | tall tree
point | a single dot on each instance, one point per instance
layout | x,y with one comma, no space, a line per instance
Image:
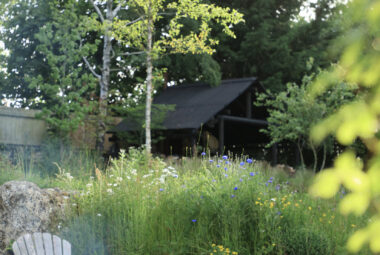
197,41
64,93
275,42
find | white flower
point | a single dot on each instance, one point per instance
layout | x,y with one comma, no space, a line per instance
110,191
134,171
109,184
119,179
146,176
89,185
273,199
111,175
92,177
98,215
115,184
128,177
171,168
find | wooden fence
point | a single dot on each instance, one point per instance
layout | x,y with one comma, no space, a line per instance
20,127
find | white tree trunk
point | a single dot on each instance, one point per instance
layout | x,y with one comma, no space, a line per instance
149,84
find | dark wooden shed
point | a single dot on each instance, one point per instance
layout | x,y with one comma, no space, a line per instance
221,118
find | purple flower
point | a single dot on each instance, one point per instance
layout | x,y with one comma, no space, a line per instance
278,213
266,184
241,180
242,163
226,175
252,174
227,162
225,157
203,153
278,187
225,169
236,188
249,161
270,181
213,180
217,165
194,220
175,176
161,189
232,196
271,178
211,160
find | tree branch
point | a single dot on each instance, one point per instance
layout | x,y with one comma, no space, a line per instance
134,21
91,69
132,53
98,11
116,10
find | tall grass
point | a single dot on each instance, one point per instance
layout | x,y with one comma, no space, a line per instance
141,207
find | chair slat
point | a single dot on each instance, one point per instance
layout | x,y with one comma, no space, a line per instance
39,243
21,245
29,244
66,248
15,249
48,243
57,243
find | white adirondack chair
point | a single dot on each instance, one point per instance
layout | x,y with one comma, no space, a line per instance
41,244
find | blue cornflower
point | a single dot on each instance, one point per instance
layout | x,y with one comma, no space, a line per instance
270,181
236,188
217,165
203,153
249,161
225,157
252,174
271,178
241,180
266,184
242,163
225,169
227,162
175,176
278,213
194,220
213,180
211,160
161,189
278,187
232,196
226,175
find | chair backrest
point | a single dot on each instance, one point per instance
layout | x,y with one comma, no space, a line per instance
41,244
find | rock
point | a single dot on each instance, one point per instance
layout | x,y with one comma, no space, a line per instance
25,208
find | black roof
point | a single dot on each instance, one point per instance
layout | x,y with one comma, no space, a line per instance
196,104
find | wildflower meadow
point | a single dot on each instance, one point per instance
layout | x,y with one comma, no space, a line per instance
206,205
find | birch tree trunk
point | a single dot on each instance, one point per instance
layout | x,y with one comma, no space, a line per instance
149,83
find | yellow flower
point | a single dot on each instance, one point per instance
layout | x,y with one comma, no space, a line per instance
289,203
271,205
234,253
329,221
257,202
309,208
258,198
324,215
213,245
296,204
353,225
273,244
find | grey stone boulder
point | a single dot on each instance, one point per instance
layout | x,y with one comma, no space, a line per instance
25,208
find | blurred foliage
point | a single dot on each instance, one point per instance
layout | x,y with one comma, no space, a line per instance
358,64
